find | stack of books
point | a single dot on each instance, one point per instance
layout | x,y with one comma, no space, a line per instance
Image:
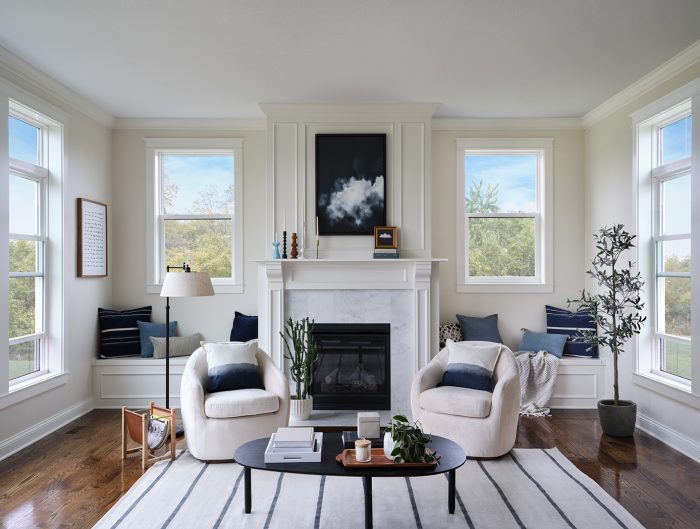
294,445
386,253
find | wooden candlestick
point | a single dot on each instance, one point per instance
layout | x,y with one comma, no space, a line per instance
294,253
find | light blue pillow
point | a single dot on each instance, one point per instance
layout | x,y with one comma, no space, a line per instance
476,329
541,341
146,330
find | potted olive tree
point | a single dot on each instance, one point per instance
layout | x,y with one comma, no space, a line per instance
302,354
616,309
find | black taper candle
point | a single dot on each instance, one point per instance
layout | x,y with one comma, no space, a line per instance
284,244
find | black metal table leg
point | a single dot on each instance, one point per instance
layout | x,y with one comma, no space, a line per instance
246,489
451,490
367,485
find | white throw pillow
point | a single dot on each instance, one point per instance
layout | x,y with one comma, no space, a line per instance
232,366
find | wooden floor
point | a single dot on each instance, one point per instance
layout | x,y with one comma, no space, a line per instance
73,476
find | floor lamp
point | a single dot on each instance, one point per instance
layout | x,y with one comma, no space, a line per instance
183,284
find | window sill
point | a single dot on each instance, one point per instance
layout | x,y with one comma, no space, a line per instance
505,288
32,388
219,288
667,388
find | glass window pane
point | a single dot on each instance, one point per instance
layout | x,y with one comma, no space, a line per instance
501,247
25,300
675,255
676,205
25,141
24,201
24,358
203,244
197,184
675,140
674,306
500,183
675,358
25,256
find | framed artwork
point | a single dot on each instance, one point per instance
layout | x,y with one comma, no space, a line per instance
350,183
92,238
386,238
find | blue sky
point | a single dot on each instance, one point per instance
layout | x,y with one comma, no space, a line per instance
24,145
194,175
676,139
515,175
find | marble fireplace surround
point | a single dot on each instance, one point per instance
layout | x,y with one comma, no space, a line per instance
401,292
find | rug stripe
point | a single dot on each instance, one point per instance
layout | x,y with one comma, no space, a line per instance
461,506
137,500
319,503
586,489
229,500
184,498
419,525
566,519
274,501
503,496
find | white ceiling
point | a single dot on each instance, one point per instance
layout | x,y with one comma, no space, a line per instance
477,58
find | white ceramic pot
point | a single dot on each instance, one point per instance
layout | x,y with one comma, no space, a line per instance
301,409
388,445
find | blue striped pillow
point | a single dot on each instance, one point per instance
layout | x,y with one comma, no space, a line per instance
562,321
119,331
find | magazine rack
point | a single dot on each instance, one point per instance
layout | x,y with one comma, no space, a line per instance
136,424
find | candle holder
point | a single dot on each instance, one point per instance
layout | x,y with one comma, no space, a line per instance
284,244
294,252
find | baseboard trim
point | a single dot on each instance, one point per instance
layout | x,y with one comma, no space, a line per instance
34,433
672,438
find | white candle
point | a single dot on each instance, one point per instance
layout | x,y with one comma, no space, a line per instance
284,227
275,237
317,227
362,451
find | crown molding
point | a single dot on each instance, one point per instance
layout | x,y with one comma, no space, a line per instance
656,77
423,111
38,80
467,124
189,124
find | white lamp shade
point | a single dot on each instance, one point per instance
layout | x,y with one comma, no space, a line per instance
186,284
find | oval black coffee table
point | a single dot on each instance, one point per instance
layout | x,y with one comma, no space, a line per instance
252,455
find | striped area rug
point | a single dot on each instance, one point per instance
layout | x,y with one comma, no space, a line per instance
531,488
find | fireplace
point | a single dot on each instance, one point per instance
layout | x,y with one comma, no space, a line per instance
353,367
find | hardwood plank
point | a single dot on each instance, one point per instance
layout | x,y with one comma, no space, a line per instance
73,476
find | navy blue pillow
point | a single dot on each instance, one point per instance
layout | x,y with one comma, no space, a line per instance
480,329
119,331
540,341
562,321
245,328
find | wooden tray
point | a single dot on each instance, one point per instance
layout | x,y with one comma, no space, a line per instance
379,460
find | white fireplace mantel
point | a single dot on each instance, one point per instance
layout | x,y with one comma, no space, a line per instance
418,278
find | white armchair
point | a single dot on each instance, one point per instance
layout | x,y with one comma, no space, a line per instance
216,424
484,424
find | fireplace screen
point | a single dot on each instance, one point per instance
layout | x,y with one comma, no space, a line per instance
352,371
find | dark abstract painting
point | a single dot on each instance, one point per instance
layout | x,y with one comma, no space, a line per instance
350,183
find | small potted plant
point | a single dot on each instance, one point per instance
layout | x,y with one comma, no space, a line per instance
406,443
616,310
302,355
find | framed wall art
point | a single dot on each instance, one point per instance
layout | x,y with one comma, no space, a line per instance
386,238
350,183
92,238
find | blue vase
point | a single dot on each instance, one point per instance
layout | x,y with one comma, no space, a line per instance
276,250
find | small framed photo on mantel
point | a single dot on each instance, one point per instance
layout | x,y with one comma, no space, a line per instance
386,238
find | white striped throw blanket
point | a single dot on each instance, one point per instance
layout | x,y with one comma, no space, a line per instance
538,375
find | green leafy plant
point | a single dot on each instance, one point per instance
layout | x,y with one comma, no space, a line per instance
410,442
616,306
302,354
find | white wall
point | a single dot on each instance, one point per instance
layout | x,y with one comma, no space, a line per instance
610,199
87,171
515,311
211,316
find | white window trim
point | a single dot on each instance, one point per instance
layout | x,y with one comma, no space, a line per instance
644,121
543,282
154,250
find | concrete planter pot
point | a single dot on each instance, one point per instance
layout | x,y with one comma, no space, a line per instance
301,409
617,421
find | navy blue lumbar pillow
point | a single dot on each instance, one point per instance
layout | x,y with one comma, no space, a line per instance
245,328
146,330
480,329
470,366
540,341
570,324
119,331
232,366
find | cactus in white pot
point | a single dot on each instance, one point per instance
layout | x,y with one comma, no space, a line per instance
302,354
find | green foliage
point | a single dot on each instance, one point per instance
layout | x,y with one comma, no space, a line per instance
302,353
616,306
22,307
677,297
410,442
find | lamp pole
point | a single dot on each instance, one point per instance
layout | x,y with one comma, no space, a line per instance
185,268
